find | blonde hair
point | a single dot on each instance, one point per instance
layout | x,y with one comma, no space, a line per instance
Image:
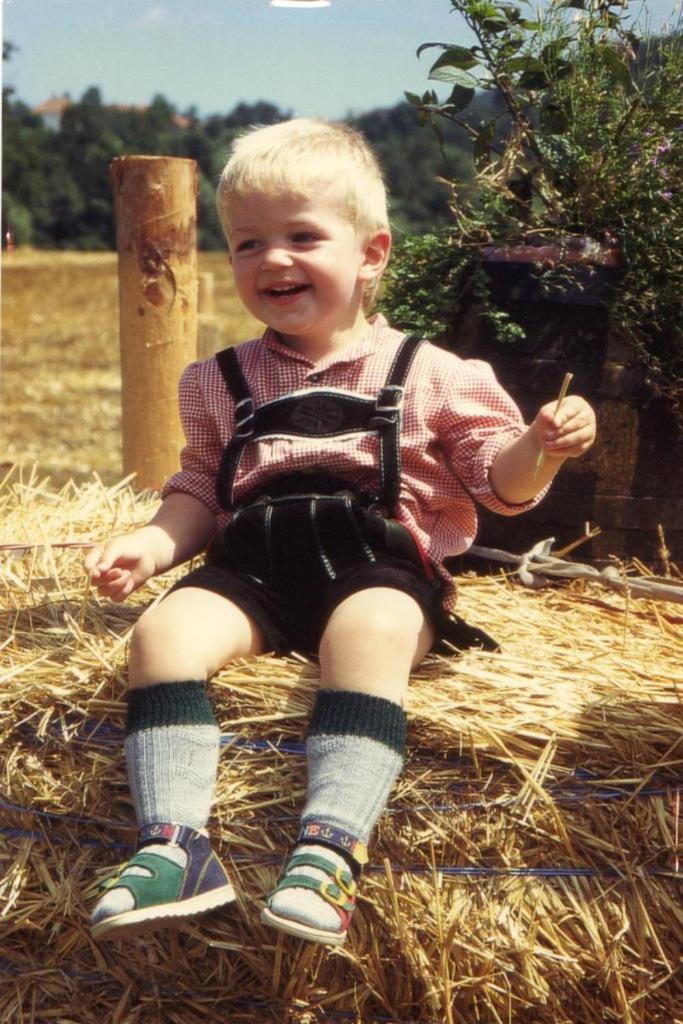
293,157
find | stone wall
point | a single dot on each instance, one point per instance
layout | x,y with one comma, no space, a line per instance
631,482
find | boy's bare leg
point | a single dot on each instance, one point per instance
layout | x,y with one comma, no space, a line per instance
355,751
172,738
372,641
172,746
189,635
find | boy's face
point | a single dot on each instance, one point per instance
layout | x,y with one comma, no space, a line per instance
300,265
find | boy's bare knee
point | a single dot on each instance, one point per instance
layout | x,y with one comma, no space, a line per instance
160,650
371,642
383,627
190,635
149,632
390,618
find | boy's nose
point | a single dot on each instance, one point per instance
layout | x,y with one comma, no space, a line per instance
277,256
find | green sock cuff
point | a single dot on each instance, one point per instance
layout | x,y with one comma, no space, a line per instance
168,704
350,713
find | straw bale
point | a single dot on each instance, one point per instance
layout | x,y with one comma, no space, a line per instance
526,869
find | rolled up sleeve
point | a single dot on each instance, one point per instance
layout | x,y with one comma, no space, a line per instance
479,419
200,457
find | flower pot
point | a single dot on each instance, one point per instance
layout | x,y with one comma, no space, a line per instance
631,482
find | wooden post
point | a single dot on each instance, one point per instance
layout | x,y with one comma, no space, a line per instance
156,231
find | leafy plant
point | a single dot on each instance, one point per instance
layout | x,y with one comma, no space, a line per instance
428,280
586,140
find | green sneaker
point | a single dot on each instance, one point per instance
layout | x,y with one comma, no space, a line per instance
156,890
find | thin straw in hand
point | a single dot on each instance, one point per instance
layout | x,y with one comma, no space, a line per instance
568,377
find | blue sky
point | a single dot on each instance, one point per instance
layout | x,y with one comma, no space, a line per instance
353,56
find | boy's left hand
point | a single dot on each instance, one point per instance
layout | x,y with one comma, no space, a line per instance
568,433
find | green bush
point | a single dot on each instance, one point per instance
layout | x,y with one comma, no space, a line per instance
585,141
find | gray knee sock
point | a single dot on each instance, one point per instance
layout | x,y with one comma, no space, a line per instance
355,750
172,746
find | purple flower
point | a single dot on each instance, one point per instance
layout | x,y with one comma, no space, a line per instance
666,194
664,147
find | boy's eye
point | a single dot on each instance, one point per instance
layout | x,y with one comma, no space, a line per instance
247,244
305,236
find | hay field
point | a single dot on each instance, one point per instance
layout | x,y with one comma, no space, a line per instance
528,870
59,363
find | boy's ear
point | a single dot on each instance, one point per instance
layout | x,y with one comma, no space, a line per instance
375,255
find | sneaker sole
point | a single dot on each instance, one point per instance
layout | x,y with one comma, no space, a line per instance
302,931
147,919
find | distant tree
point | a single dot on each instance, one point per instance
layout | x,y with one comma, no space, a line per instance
67,207
209,232
412,162
57,190
159,115
194,144
87,143
92,97
25,173
244,115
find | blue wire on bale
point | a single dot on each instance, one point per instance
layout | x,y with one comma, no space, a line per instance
454,870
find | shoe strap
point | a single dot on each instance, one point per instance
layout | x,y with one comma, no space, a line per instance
165,832
161,883
344,880
337,839
141,859
329,890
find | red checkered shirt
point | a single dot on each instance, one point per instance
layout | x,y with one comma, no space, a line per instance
456,419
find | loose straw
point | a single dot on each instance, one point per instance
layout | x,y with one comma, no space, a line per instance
473,903
560,398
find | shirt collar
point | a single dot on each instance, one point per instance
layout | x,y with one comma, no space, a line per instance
377,326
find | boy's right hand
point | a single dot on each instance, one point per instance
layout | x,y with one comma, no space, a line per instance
120,566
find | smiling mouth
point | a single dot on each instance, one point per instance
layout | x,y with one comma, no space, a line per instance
279,293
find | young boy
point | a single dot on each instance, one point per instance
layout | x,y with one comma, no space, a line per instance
330,466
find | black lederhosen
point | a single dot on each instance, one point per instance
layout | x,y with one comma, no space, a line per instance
293,552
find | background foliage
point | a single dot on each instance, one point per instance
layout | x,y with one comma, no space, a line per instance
56,188
601,155
584,146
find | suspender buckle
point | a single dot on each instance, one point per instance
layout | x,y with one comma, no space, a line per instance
387,407
390,399
244,418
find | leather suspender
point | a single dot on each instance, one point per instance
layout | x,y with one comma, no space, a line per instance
355,414
387,420
239,389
